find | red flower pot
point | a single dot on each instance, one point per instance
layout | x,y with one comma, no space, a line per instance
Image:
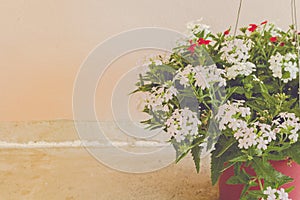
233,192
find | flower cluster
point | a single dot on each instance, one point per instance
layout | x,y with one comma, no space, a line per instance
204,76
236,51
245,69
182,124
273,194
195,27
284,67
288,123
159,96
234,116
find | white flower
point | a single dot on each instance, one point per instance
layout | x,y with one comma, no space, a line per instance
244,111
288,121
270,135
282,195
240,69
276,65
170,93
290,56
238,134
243,143
182,75
271,193
292,68
182,123
158,96
227,111
234,124
262,144
195,27
294,136
200,80
287,63
204,76
236,51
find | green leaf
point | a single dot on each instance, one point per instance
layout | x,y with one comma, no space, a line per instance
226,146
241,178
288,190
254,106
196,152
242,158
218,163
266,95
254,194
231,91
264,170
294,152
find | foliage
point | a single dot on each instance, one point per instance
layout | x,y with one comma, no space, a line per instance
234,95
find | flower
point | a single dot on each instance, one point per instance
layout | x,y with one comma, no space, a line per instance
262,144
203,41
204,76
271,193
264,22
273,39
252,27
235,51
274,194
158,96
226,32
182,123
195,27
240,69
192,47
280,64
282,195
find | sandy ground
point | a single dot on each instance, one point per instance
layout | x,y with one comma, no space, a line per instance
74,174
71,173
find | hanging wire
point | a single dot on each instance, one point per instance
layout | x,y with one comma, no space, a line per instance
238,18
295,24
292,12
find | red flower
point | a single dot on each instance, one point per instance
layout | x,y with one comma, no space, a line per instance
273,39
203,41
252,27
192,47
264,22
226,32
282,44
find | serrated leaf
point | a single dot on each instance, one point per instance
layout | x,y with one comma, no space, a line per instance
241,178
218,163
294,152
226,146
242,158
265,170
196,153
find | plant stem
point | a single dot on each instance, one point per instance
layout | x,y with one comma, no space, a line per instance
260,184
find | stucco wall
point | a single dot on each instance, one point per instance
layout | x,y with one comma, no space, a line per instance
43,43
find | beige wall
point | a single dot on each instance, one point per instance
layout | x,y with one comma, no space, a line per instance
44,42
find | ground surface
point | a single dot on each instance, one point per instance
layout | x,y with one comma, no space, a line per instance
70,173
